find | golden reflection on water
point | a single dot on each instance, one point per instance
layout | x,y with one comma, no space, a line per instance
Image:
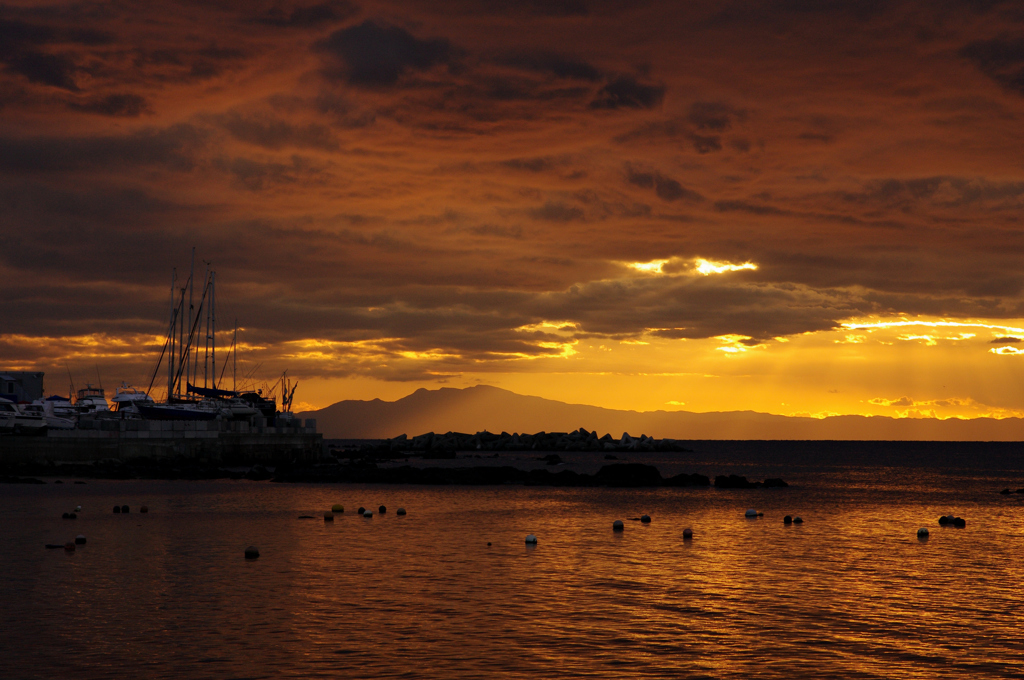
850,593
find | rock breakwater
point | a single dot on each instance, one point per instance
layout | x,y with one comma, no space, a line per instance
431,445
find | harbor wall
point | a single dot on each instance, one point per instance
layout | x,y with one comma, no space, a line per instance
221,442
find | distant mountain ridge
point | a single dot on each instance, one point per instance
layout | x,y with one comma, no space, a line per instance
491,408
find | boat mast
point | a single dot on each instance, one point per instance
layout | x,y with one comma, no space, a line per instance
213,328
187,350
206,347
170,337
234,360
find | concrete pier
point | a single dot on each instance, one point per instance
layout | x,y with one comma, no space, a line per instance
224,442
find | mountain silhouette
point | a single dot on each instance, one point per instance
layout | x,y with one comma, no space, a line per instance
490,408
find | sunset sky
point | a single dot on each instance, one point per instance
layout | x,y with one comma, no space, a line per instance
794,207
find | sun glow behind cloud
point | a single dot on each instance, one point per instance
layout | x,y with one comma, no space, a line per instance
691,266
707,267
652,267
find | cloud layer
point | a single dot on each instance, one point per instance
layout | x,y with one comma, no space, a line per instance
401,191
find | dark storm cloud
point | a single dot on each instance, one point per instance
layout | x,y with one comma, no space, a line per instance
684,129
714,116
178,64
774,13
520,8
626,92
1001,59
1006,339
553,64
556,211
212,60
752,208
694,307
124,105
271,132
944,192
254,175
286,15
171,147
51,209
666,188
538,163
19,52
372,55
28,50
498,232
57,70
529,164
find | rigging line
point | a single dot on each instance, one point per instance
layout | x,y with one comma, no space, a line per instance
191,335
158,363
174,320
225,366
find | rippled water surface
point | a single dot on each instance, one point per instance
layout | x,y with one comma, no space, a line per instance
850,593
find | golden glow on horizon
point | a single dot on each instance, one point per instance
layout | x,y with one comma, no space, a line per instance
901,368
905,323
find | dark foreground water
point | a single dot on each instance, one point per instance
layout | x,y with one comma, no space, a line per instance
851,593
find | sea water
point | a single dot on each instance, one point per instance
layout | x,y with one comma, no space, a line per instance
451,590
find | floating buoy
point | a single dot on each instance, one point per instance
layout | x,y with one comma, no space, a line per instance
78,508
144,508
798,520
69,547
367,513
252,552
117,509
124,509
306,517
72,516
54,546
945,519
617,525
751,512
687,534
531,540
401,511
338,508
958,522
488,544
65,516
382,509
361,510
328,516
922,533
646,519
787,519
80,539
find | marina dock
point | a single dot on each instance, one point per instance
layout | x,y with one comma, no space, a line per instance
227,442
